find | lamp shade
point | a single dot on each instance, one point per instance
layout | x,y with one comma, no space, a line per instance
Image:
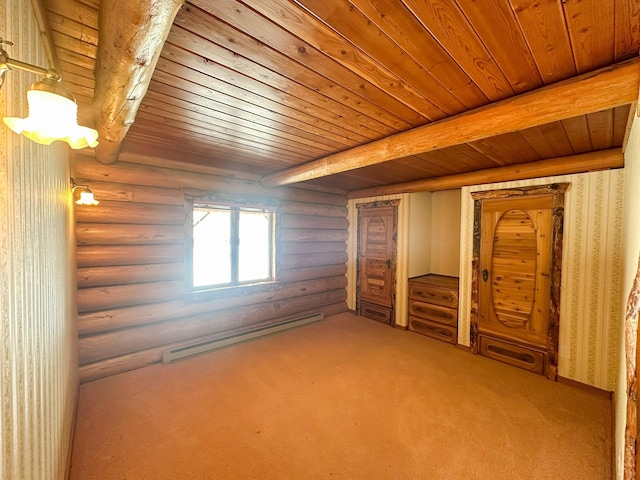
52,116
86,198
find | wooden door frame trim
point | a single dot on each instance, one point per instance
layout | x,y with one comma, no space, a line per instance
379,204
557,190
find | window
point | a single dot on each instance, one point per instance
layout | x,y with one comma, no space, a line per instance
231,245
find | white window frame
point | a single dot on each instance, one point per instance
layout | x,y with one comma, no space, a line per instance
235,206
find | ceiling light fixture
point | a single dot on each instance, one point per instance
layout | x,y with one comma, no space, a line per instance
53,112
86,195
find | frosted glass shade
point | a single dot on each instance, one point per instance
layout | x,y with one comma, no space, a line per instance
52,117
86,198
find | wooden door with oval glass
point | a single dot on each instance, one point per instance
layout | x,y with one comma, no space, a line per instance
516,318
377,233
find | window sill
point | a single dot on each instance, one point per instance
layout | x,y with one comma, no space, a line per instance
206,295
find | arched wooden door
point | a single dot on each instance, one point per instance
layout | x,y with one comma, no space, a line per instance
517,270
377,233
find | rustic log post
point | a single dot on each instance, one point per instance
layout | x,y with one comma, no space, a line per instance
131,37
631,344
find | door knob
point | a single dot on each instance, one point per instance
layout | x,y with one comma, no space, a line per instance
485,275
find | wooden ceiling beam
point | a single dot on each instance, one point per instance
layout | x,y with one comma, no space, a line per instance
130,40
586,162
592,92
45,31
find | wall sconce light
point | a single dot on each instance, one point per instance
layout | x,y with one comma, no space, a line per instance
53,112
86,195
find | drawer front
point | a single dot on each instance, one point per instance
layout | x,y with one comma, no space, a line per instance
516,355
375,312
442,332
434,313
436,295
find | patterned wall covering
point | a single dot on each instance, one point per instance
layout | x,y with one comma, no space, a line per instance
591,273
37,333
402,252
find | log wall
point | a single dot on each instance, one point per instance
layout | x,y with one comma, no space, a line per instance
133,301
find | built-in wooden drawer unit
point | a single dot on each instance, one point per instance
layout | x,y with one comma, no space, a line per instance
446,333
435,313
375,312
435,294
433,307
513,354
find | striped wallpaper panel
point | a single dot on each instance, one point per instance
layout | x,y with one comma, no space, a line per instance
37,321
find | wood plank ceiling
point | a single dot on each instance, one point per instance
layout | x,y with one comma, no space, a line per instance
258,86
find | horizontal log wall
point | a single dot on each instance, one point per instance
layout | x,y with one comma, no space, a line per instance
133,301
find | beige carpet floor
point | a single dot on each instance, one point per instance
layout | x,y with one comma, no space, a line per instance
345,398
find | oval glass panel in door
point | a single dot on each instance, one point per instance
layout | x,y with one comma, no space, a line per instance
376,261
513,268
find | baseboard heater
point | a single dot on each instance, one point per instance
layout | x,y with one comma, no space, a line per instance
175,354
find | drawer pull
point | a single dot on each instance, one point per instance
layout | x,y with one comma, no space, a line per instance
516,355
434,330
521,357
375,313
434,313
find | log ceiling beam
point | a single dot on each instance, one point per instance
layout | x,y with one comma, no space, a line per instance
586,162
131,36
592,92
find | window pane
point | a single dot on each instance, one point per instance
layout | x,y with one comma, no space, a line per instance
211,246
254,262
